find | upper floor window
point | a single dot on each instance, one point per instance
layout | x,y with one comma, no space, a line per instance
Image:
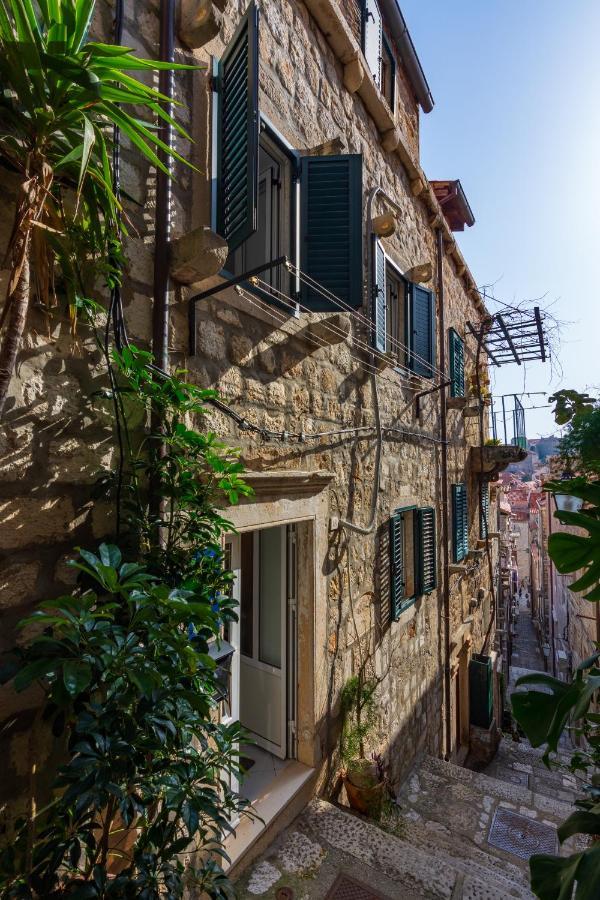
413,564
403,316
388,73
378,52
271,201
460,522
457,364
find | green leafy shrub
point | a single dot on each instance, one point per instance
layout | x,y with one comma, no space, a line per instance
129,689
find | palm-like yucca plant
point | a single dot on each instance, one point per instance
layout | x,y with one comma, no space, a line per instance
60,98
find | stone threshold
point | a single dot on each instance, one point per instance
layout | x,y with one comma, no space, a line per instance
285,787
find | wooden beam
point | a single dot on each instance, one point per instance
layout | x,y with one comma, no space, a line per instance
538,322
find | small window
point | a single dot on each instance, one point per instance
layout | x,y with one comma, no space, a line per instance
457,364
412,556
460,522
484,509
388,73
403,316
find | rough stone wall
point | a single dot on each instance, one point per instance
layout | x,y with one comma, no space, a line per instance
57,435
268,370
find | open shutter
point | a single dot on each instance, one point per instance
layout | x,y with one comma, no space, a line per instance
457,364
484,508
396,564
331,224
460,532
422,327
238,127
427,554
372,37
379,297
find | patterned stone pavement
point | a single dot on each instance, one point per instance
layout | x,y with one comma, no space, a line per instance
452,833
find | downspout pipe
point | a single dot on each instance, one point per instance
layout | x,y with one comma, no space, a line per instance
160,307
412,64
160,310
445,506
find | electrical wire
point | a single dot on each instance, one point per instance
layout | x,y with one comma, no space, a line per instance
341,304
280,296
316,341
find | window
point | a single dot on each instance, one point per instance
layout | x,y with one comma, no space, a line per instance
372,38
270,201
403,316
412,556
460,522
388,73
272,236
484,509
457,364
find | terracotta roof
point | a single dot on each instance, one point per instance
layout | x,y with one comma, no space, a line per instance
454,203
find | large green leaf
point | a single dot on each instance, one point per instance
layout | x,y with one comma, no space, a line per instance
552,877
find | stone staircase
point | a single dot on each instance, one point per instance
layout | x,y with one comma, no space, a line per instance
453,833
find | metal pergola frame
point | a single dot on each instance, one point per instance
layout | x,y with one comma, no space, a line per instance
513,337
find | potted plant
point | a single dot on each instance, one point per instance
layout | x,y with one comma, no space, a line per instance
363,776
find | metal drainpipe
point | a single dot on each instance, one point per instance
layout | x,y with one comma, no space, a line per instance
160,307
445,509
160,310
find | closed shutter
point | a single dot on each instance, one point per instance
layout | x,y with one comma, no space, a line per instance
484,508
372,37
422,330
457,364
396,564
460,531
427,554
379,297
238,127
331,225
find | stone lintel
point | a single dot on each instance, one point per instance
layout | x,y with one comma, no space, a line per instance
197,255
333,147
287,482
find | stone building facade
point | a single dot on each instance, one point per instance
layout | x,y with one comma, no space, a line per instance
345,403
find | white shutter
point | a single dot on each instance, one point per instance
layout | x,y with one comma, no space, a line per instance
372,39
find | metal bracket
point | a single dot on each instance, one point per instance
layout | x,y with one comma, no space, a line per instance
218,288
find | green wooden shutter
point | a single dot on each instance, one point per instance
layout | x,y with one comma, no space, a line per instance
238,130
379,297
422,330
396,564
331,229
484,508
427,551
460,529
457,364
372,36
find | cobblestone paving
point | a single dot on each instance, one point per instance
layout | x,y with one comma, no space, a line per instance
434,842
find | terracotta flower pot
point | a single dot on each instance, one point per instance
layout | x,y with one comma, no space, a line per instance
363,788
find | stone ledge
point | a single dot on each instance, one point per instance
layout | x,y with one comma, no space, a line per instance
288,482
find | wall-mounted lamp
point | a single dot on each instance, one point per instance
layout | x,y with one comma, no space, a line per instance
384,225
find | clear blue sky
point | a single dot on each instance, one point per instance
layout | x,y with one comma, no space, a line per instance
516,85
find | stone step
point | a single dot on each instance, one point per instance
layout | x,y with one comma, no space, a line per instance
326,840
518,763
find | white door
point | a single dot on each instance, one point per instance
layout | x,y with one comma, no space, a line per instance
231,710
263,693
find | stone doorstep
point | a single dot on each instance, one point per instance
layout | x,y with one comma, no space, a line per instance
290,785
